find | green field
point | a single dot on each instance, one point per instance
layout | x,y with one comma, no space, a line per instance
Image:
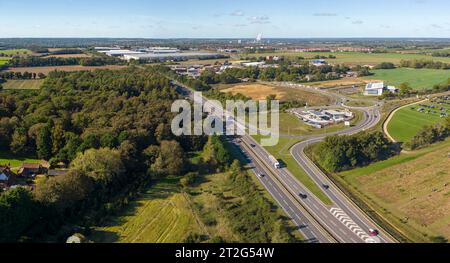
162,215
29,84
407,122
14,161
16,52
409,190
354,58
417,78
3,60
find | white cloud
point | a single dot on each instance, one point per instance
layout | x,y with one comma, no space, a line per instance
237,13
259,19
325,14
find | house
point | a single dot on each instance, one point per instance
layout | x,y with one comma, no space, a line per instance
319,62
253,64
31,170
7,177
392,89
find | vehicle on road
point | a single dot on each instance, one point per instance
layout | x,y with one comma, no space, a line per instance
325,186
252,145
260,175
275,162
373,232
303,196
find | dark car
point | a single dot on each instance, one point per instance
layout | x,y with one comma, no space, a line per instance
303,196
252,145
325,186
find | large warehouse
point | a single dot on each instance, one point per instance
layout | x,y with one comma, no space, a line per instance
179,56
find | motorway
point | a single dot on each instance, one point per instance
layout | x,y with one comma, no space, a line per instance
341,222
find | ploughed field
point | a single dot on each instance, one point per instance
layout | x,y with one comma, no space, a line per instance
411,190
258,91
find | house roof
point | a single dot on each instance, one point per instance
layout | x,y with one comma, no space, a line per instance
4,177
375,86
31,166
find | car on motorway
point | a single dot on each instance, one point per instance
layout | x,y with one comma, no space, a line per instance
303,196
373,232
260,175
252,145
325,186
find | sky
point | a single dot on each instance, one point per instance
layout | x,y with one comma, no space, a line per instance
224,18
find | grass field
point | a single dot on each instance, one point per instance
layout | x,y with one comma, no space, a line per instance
162,215
407,122
14,161
417,78
23,84
411,190
16,52
46,70
3,60
259,91
354,58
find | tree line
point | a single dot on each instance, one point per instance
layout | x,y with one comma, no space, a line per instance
32,61
340,153
430,135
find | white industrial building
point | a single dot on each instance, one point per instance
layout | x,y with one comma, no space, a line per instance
323,118
179,56
377,89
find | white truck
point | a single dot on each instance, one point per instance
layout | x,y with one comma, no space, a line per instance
274,162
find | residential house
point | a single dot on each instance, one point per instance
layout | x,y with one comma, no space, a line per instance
7,177
31,170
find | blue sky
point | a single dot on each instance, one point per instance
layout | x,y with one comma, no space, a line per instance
224,18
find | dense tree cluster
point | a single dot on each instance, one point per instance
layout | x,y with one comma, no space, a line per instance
340,153
421,63
444,54
32,61
113,127
385,65
430,134
300,73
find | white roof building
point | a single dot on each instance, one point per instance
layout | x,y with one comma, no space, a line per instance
374,89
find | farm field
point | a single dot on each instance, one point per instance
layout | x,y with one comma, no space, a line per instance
259,91
354,58
417,78
162,215
46,70
29,84
407,122
68,56
411,190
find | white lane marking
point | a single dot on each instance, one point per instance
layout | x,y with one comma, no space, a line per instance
350,224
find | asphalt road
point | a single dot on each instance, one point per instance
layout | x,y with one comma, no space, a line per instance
317,221
343,208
